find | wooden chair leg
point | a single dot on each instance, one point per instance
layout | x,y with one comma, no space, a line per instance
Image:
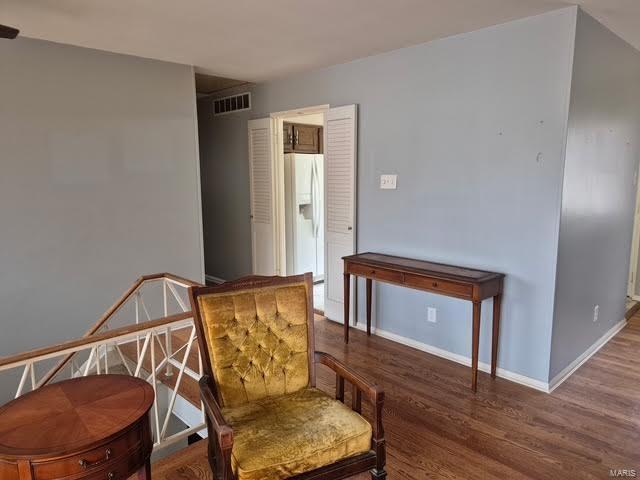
378,442
219,459
220,462
378,474
211,451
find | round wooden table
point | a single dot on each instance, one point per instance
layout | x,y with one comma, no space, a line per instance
94,427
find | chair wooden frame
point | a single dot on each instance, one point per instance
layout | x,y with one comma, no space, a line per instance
221,433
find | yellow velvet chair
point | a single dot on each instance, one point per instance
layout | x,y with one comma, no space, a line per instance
265,418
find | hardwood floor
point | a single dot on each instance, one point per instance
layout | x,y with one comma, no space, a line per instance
437,428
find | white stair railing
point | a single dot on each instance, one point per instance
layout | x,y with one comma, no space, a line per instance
141,349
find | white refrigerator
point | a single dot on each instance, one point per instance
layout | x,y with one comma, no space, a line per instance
304,213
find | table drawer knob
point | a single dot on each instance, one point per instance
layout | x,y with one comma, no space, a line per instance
86,464
435,284
111,476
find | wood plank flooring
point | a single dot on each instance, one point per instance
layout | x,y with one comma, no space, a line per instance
437,428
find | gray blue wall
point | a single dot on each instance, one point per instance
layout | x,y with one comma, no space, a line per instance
462,121
603,147
98,185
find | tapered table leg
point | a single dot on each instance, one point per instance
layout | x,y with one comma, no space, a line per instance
497,302
346,299
369,285
475,345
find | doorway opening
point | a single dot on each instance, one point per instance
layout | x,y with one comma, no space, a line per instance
633,288
300,167
326,144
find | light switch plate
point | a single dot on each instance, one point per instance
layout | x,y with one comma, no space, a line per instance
388,182
432,315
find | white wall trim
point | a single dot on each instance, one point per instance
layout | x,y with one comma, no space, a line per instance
213,279
573,366
198,189
301,111
278,189
439,352
635,244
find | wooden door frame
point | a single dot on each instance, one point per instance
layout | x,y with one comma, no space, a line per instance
278,184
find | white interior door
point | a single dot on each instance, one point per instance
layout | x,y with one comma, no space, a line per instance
261,172
340,205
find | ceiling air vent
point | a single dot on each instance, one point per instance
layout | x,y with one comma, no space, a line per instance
234,103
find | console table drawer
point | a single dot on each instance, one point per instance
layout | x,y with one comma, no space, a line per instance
90,461
438,286
376,273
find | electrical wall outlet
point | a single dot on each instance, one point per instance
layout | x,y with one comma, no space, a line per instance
388,182
596,313
432,315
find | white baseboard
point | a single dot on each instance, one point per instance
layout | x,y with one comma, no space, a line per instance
485,367
213,279
573,366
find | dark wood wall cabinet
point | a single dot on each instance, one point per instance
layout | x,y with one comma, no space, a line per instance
299,138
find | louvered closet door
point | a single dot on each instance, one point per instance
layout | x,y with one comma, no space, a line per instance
263,234
340,204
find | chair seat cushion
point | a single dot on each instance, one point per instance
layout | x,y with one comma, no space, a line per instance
279,437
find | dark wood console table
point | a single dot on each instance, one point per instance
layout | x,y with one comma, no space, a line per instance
94,427
449,280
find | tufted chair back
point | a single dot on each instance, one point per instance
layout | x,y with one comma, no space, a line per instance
255,334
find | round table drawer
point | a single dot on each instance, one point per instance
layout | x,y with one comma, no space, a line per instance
95,427
90,460
117,470
9,471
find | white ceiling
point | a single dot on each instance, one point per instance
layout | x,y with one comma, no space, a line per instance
257,40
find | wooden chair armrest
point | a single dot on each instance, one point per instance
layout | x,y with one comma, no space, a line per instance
373,393
222,430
